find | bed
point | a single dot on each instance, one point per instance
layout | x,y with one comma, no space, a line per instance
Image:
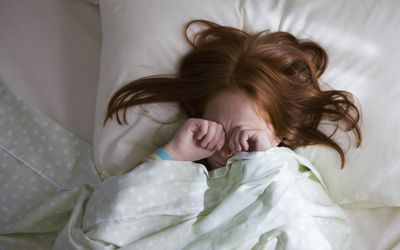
50,55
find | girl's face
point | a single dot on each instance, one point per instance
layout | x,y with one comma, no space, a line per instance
231,108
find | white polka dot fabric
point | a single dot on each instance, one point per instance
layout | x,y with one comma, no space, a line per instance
261,200
42,167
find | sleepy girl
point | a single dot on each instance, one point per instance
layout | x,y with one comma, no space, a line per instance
250,100
244,92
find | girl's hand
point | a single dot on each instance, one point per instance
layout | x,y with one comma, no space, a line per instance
196,139
248,139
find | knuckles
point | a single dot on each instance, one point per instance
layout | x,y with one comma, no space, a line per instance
204,122
236,136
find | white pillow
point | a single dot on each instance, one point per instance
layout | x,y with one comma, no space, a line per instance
362,39
145,37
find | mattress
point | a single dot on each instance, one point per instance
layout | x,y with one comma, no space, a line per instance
49,57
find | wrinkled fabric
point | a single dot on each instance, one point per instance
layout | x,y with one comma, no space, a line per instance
260,200
44,170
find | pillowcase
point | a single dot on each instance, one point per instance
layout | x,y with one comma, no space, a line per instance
145,37
362,40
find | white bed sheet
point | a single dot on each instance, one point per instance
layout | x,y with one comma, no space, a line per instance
375,228
49,57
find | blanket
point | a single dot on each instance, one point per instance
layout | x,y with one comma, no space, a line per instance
273,199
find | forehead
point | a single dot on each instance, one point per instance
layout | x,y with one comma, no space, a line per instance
232,108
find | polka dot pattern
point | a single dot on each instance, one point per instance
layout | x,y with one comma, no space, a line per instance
41,144
267,200
41,166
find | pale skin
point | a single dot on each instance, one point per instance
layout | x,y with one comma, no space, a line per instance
231,123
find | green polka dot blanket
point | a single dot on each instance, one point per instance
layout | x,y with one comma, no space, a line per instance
52,198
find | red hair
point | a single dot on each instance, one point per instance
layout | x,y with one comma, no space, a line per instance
275,69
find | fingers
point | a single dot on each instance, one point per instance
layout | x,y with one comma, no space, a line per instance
209,134
260,141
221,142
257,143
244,139
231,143
218,140
234,140
201,128
239,139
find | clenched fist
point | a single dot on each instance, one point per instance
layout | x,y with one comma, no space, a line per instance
196,139
243,138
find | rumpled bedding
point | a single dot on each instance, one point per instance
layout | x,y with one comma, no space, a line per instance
44,169
261,200
52,197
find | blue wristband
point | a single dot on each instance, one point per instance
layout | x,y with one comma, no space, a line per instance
163,154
